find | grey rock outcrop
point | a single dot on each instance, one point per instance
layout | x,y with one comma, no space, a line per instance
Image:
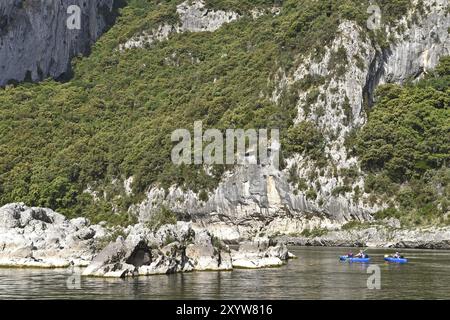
119,259
378,236
420,45
180,248
194,17
170,249
35,42
260,254
206,256
243,204
38,237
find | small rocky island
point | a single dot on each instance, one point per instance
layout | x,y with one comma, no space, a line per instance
38,237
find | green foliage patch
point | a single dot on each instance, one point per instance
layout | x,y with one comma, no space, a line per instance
406,146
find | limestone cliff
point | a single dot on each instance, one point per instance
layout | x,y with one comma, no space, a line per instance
35,42
194,17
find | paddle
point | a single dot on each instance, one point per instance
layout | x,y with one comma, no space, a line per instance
364,251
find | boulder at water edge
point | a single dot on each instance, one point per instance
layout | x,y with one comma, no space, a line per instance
38,237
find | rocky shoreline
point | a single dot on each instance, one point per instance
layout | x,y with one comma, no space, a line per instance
38,237
180,248
377,236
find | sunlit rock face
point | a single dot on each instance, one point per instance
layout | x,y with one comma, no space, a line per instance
170,249
40,237
35,42
193,16
420,46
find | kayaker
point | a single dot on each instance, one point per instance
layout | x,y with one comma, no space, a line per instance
397,255
361,254
350,255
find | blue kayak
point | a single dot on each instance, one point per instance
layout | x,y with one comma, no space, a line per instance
360,260
396,260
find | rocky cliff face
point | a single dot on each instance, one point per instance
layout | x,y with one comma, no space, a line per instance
35,42
384,234
419,46
255,199
194,17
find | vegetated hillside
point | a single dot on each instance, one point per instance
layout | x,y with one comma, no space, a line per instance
113,120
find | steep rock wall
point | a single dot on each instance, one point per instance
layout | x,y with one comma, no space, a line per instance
35,42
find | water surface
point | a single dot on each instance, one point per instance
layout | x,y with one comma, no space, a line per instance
316,274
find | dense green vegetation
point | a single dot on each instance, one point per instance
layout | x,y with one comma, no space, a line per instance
162,217
114,118
316,232
305,137
406,147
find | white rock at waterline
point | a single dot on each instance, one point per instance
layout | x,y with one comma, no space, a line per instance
38,237
260,254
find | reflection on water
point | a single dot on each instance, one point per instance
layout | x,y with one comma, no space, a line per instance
316,274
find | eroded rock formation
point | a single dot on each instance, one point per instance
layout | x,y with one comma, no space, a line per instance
180,248
35,42
38,237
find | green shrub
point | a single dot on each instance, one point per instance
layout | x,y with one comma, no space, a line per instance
316,232
203,196
305,137
311,194
341,190
161,217
387,213
406,147
351,225
302,184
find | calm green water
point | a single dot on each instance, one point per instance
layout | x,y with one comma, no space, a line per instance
316,274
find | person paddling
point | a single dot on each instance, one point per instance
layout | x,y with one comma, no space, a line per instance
361,254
